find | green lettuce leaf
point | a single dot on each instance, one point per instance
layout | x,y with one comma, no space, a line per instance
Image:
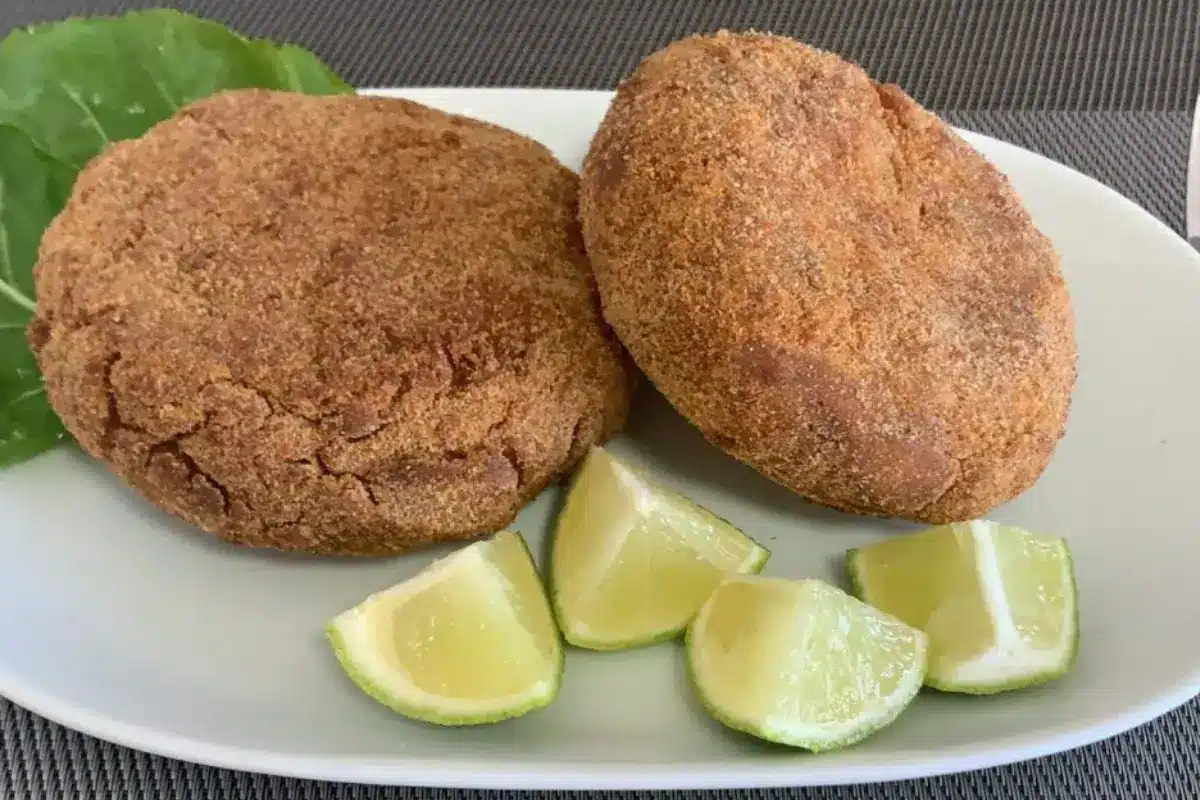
33,187
68,90
75,86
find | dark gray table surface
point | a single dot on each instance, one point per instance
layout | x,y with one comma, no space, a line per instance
1105,86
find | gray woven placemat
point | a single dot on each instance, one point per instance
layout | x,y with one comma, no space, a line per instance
1103,86
966,54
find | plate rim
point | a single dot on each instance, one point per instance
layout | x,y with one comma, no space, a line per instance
530,773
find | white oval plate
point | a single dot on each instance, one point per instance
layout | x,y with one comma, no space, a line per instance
126,624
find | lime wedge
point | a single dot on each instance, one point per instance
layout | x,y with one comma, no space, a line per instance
997,602
802,663
633,561
470,639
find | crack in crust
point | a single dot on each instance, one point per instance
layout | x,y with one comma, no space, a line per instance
214,498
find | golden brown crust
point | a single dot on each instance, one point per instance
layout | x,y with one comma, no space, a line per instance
827,280
335,324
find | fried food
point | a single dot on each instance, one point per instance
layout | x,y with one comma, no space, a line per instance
328,324
827,280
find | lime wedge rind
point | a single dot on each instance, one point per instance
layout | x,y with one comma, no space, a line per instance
393,688
439,712
1039,667
643,497
815,738
1006,668
579,636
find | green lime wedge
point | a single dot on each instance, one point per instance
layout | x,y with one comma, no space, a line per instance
468,640
632,561
802,663
997,602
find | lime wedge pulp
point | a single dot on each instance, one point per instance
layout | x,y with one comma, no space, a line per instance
632,561
802,663
470,639
998,603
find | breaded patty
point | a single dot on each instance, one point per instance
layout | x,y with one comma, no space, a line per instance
827,280
329,324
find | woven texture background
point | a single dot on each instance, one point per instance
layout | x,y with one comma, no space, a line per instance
1137,55
1105,86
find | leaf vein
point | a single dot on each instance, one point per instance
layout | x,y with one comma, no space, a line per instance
87,113
8,286
292,75
11,292
26,395
157,83
6,269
